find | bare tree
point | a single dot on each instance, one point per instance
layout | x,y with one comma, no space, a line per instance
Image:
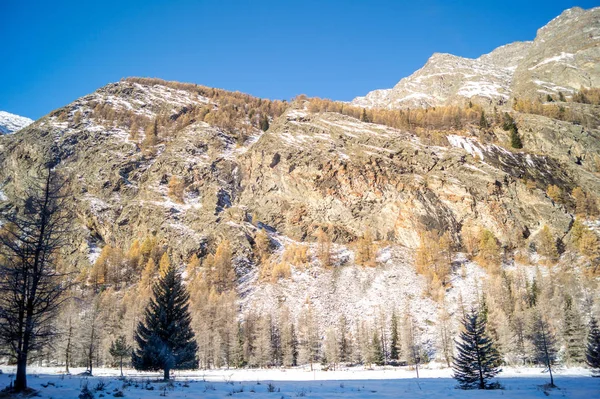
31,288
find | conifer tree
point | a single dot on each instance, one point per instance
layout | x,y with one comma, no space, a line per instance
544,344
483,123
165,339
364,117
264,123
592,352
377,355
395,338
293,346
475,362
344,343
573,333
119,349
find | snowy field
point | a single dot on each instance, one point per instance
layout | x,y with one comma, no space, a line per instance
301,382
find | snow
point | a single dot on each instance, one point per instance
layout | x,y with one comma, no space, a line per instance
470,145
552,87
94,251
556,58
356,382
10,123
482,89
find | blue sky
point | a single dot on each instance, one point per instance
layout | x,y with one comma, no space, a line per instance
56,51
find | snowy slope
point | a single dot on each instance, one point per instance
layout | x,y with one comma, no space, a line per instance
10,123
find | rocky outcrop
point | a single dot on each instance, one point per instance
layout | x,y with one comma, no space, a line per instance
564,57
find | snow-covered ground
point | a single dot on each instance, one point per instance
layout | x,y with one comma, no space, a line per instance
302,382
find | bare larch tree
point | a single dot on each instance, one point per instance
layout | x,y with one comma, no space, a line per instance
32,231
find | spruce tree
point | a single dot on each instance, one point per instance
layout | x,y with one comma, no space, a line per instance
544,345
377,355
515,139
592,352
483,123
573,334
264,123
118,350
475,363
344,340
395,339
165,339
364,117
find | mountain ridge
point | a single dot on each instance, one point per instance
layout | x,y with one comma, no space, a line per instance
506,72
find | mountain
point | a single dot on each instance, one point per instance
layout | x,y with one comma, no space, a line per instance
563,58
309,210
10,123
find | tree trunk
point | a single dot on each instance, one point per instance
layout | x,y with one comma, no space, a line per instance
21,377
166,374
121,367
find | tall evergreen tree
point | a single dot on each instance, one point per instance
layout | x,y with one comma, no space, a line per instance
344,340
592,352
544,344
395,338
264,123
483,123
364,117
515,139
377,355
165,339
475,362
573,334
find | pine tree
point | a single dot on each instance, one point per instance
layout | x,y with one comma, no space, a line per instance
165,339
364,117
483,123
592,352
544,344
344,344
573,334
515,139
395,339
377,355
475,363
264,123
293,345
119,349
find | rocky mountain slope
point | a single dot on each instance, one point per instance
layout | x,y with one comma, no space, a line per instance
212,173
10,123
563,57
308,171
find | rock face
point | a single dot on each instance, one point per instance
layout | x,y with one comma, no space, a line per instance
309,170
564,56
10,123
317,170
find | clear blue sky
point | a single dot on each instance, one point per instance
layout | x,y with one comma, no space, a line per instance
53,52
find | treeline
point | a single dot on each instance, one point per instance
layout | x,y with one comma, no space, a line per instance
557,107
237,114
423,121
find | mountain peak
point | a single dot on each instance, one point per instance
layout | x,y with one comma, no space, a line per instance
10,123
563,57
